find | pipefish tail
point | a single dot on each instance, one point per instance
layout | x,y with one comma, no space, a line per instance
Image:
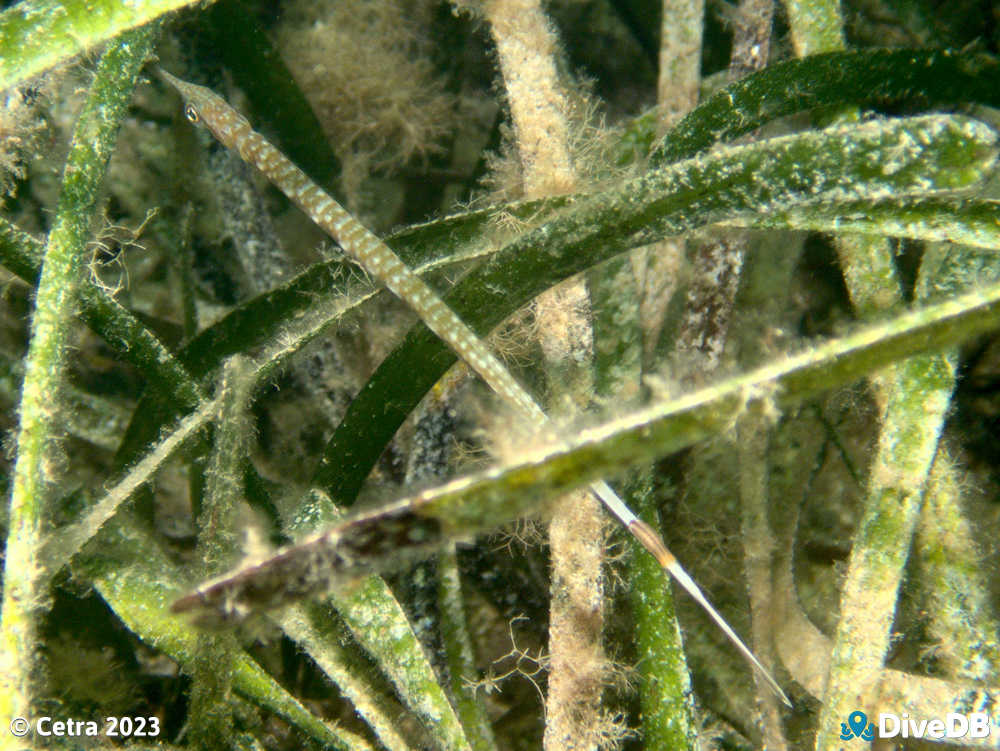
234,131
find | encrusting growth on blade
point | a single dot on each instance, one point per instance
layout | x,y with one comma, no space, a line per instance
234,131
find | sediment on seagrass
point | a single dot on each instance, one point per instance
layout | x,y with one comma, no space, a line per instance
478,502
960,220
630,296
643,210
37,35
133,575
914,397
37,464
369,611
218,514
822,81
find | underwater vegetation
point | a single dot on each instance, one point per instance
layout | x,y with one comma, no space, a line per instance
744,256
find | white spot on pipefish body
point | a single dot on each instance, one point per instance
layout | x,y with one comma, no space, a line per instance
285,174
310,194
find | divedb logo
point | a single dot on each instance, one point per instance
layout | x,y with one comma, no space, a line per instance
857,726
953,725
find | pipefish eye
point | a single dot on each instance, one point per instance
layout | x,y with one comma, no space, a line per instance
191,113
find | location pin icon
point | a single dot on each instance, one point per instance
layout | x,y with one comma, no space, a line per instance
858,722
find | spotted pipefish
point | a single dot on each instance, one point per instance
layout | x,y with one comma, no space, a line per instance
250,588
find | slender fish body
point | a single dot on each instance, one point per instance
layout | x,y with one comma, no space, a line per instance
234,131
